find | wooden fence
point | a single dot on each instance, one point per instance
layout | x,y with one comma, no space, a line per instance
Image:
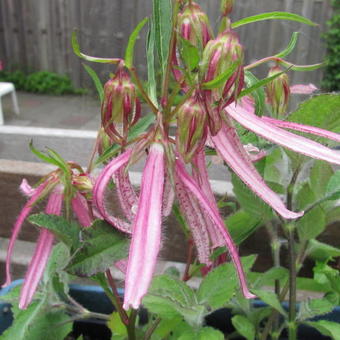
35,34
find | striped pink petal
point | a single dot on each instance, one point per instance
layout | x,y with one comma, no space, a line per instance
168,197
18,224
303,128
146,236
231,150
102,183
126,193
81,210
194,190
286,139
200,175
42,251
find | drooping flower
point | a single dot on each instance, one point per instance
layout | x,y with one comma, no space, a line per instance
146,235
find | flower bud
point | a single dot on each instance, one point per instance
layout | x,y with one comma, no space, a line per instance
226,7
219,55
83,183
191,127
193,25
120,107
278,91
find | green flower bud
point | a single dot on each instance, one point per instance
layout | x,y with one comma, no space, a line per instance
226,7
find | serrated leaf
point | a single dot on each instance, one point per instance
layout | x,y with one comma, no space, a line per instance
241,225
244,326
321,111
162,20
129,52
169,297
333,187
218,287
67,232
270,299
311,308
102,246
38,322
290,47
312,224
268,278
271,16
327,328
321,251
97,83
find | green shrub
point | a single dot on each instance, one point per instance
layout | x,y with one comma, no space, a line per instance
41,82
331,81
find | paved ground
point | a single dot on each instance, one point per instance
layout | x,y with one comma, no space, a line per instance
65,112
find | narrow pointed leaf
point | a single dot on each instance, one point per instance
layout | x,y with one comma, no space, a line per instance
220,79
129,52
273,16
290,47
150,58
97,83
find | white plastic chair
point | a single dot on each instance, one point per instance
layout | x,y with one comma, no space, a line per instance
6,88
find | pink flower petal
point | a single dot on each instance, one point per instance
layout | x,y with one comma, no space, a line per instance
26,189
193,188
18,224
303,89
146,236
231,150
81,210
169,196
303,128
100,186
126,193
287,139
42,251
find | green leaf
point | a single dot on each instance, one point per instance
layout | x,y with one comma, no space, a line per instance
99,86
42,156
219,286
333,187
250,203
102,245
135,131
162,21
270,299
202,334
271,16
244,326
189,53
76,50
311,308
321,251
259,84
166,326
116,325
241,225
321,111
258,94
327,328
268,278
312,224
38,322
290,47
169,297
150,57
129,52
320,175
220,79
67,232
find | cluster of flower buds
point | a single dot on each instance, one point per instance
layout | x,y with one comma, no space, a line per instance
121,107
220,55
278,91
194,25
191,127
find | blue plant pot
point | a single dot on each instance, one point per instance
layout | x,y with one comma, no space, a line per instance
94,299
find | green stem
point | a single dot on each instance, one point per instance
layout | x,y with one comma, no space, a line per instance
131,329
152,328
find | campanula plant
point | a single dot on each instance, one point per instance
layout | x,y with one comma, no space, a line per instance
279,170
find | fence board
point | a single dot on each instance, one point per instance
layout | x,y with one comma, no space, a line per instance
35,34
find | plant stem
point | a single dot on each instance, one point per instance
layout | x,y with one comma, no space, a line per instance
186,275
115,298
152,328
131,329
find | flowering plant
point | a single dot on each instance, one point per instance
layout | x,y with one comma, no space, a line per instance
216,105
